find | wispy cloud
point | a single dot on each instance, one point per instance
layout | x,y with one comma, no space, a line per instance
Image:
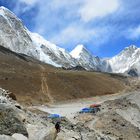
65,21
79,34
96,22
97,8
29,2
133,33
23,6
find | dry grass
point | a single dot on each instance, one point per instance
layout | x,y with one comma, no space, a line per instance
26,78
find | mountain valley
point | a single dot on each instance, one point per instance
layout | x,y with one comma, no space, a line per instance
42,84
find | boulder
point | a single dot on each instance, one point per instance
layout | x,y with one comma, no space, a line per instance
68,135
10,121
19,137
4,137
40,132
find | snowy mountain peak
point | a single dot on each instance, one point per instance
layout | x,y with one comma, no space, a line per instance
131,48
16,37
4,11
125,60
4,8
80,47
85,58
13,34
128,51
78,50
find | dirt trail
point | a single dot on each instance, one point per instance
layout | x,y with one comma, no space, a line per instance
44,86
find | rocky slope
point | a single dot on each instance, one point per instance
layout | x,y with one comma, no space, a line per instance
117,119
34,125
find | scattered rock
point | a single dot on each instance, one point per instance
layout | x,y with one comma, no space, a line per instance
118,121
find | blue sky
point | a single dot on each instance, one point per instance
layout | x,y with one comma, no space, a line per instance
105,27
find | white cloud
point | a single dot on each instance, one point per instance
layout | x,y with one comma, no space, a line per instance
133,33
97,8
72,33
78,34
64,3
60,20
29,2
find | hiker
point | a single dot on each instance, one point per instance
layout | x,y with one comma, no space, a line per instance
57,127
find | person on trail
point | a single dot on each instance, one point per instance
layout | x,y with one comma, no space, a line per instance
57,127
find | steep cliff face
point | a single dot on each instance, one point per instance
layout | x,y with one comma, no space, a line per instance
14,35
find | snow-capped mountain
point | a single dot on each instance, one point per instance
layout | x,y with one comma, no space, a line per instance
13,35
55,55
126,60
85,58
88,61
16,37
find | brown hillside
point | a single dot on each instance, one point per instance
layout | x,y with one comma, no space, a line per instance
34,82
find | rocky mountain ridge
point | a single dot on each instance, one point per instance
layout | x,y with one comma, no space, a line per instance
16,37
